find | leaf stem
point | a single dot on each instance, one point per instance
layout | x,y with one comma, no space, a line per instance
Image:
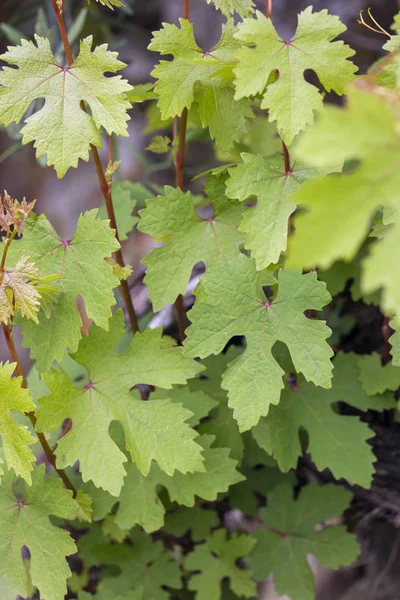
8,334
7,243
186,9
180,155
104,186
106,191
63,32
286,158
268,8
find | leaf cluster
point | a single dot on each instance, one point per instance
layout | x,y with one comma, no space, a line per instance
172,465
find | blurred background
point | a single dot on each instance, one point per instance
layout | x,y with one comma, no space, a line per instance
128,31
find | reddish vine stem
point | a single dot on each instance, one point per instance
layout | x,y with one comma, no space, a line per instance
286,157
180,155
268,8
186,9
106,191
42,439
63,31
104,185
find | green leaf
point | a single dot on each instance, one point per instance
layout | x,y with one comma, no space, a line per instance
376,378
61,129
216,559
15,438
83,272
110,3
144,566
160,144
246,495
290,99
221,424
335,441
24,521
389,76
196,520
204,77
142,93
85,509
188,239
197,402
231,303
266,224
229,7
18,293
370,185
219,474
124,202
154,430
139,502
111,529
289,535
395,343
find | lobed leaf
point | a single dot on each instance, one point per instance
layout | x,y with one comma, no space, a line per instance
154,430
289,535
231,302
275,68
61,129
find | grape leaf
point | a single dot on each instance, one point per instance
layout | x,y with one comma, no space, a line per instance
144,565
15,438
198,403
291,100
266,224
110,3
154,430
61,129
236,305
195,74
221,424
376,378
124,202
260,480
196,520
216,559
188,239
334,441
358,194
389,76
289,535
83,272
85,507
395,343
18,293
24,521
229,7
160,144
139,502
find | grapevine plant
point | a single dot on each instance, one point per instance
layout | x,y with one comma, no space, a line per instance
125,450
